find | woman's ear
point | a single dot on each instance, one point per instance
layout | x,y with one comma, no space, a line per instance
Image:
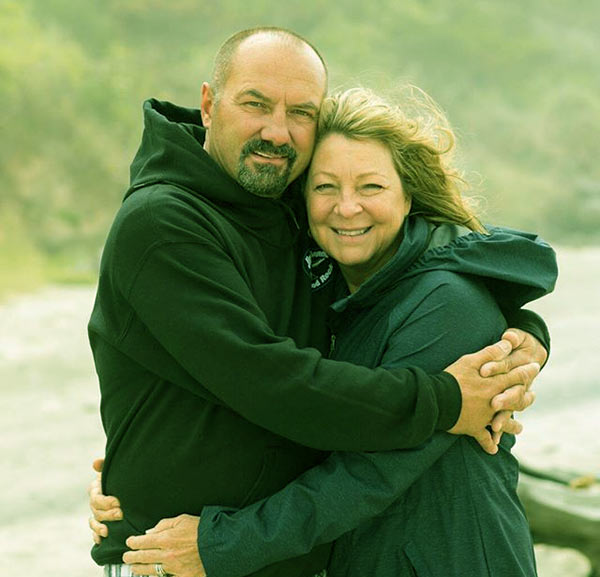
407,204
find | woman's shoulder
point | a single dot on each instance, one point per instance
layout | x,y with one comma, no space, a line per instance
446,284
447,307
449,315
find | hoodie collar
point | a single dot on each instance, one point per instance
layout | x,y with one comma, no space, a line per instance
416,235
516,266
172,152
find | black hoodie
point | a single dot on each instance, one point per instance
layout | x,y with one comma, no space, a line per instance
201,333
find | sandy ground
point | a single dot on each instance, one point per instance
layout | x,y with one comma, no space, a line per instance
50,433
50,428
562,430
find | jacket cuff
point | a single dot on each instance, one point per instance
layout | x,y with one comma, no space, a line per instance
449,400
214,553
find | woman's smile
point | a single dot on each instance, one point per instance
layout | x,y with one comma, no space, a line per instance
355,232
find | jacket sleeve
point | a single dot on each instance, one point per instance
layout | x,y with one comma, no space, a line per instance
208,320
455,318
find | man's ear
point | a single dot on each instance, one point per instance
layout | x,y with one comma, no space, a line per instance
207,103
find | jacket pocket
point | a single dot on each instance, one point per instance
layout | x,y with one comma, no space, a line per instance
111,549
256,491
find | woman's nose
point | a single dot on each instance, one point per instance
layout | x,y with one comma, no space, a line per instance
348,205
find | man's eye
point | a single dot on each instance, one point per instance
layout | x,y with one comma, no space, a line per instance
303,113
254,104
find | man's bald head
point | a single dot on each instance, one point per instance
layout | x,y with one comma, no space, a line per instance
225,58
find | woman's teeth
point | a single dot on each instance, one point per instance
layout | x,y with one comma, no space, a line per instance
356,232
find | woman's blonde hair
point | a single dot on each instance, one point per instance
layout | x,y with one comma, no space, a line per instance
420,141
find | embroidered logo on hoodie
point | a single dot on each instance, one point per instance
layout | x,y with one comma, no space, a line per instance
318,266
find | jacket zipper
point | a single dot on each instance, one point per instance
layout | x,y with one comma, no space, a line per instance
331,345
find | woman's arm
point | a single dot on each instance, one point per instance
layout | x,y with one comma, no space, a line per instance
348,488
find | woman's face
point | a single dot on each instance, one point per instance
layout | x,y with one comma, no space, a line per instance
356,205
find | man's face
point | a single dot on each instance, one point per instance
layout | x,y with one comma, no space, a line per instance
261,129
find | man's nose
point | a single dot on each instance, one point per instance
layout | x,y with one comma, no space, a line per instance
276,129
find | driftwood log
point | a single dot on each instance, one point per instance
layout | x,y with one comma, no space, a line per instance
563,510
559,453
561,562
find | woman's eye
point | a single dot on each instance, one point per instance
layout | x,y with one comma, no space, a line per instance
372,187
324,188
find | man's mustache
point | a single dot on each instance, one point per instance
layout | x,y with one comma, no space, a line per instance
265,147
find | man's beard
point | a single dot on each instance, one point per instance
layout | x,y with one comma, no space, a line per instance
266,180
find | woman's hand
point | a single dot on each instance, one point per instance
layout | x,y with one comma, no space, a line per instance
173,544
103,508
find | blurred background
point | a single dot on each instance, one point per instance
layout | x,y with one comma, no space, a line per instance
519,80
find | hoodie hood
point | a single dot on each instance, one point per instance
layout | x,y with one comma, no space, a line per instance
172,153
517,267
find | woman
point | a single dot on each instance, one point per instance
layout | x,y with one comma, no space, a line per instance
421,283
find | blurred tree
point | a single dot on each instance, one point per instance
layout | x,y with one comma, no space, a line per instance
519,81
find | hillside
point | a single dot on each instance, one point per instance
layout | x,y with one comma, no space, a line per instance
519,80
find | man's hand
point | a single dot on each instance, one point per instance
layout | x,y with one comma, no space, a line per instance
503,422
525,349
484,396
103,508
173,543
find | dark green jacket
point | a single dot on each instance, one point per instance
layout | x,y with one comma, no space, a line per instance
201,332
445,509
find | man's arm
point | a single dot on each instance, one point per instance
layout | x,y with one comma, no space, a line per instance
209,321
206,317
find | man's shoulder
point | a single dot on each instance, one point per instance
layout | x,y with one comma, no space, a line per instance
164,211
164,200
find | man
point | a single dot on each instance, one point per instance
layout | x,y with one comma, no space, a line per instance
203,306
